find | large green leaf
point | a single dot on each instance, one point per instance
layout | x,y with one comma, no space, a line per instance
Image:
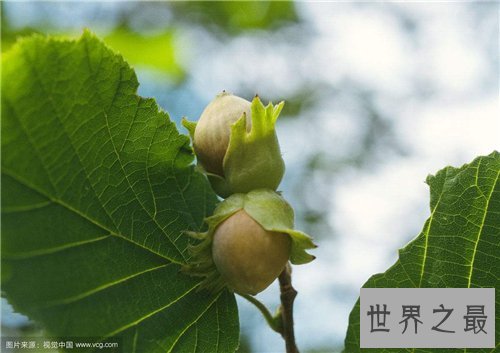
97,189
459,246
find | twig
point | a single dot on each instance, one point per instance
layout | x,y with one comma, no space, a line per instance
288,294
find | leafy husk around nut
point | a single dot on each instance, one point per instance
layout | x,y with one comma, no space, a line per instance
252,158
265,207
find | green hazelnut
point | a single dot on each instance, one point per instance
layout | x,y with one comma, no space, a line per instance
247,256
249,240
211,137
236,145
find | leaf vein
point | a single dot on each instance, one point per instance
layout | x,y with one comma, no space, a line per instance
81,296
481,229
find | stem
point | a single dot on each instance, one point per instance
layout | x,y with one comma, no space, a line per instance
273,323
288,294
282,322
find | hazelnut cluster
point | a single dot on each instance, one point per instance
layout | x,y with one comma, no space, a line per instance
250,236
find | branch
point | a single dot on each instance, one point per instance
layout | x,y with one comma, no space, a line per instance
288,294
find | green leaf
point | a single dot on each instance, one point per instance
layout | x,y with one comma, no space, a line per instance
97,189
459,246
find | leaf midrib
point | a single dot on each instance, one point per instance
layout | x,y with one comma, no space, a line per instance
79,213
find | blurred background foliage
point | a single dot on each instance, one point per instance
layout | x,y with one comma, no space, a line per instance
377,95
152,43
233,18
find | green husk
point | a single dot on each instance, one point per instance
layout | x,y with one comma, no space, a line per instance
253,158
268,209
